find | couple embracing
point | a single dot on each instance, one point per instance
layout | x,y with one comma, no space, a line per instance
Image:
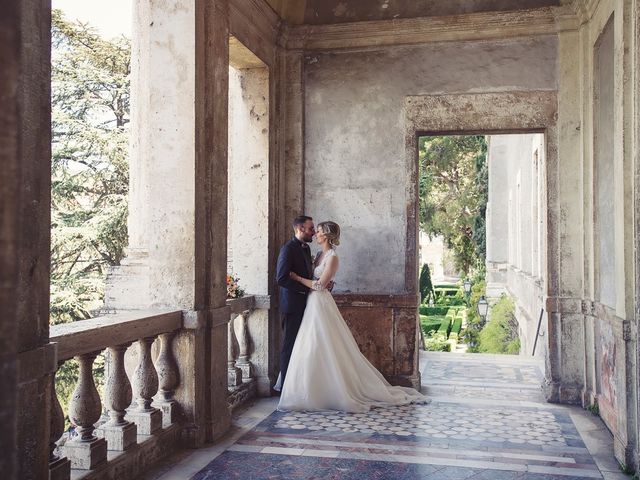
321,366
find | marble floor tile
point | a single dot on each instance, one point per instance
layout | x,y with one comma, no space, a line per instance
487,421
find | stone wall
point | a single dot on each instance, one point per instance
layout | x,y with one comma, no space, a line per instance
355,172
516,247
248,207
609,145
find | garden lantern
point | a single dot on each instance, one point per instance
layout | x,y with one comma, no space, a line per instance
467,286
483,308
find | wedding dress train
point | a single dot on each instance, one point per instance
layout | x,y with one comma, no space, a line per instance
327,371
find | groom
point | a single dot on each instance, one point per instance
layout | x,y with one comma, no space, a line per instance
295,256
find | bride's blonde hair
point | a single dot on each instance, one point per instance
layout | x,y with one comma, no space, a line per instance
331,230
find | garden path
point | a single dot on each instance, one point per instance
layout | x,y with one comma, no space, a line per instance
487,420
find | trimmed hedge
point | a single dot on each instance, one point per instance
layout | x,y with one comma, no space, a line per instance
457,326
445,327
425,310
430,323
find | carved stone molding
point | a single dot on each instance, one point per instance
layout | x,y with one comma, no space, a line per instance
406,31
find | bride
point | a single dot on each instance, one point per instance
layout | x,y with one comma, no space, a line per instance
327,371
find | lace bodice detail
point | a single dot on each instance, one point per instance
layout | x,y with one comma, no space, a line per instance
317,272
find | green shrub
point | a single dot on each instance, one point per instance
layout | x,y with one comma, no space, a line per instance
436,344
425,310
426,287
500,334
429,324
456,327
445,327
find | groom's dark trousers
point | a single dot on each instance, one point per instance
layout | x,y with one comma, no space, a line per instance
295,256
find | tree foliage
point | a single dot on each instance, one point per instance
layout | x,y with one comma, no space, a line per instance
89,174
500,334
454,193
89,170
426,286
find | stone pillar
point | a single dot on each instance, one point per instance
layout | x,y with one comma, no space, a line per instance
564,269
178,198
211,148
10,208
25,27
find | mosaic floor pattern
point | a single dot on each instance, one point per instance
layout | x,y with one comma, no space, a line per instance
487,420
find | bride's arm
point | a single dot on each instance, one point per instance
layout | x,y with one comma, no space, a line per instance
329,271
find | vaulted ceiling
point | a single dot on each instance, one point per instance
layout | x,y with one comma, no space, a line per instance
318,12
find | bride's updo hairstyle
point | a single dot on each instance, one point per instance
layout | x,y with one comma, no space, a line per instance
331,230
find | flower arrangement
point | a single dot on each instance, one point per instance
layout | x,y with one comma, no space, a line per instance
233,288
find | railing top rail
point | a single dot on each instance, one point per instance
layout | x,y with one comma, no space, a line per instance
77,338
238,305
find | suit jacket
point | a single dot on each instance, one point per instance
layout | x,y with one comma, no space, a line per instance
293,258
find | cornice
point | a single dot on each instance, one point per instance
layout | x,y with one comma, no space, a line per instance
407,31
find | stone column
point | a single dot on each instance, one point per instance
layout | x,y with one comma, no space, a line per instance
211,141
10,245
178,198
25,145
564,270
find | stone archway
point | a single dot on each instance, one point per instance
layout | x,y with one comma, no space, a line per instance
494,113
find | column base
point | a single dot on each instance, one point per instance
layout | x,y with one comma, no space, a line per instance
234,377
147,422
86,455
60,469
247,371
169,411
119,437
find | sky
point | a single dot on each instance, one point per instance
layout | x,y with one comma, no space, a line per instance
111,18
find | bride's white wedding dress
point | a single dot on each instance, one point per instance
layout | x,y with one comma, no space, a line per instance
327,371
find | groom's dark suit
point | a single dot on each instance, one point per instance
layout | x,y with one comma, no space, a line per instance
295,256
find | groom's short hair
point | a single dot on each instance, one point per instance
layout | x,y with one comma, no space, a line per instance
300,220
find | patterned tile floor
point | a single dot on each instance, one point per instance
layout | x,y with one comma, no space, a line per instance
487,420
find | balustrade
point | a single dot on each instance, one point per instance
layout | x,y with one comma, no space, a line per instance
143,403
241,382
87,448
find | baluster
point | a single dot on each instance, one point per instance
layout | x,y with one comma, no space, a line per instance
242,334
85,450
119,433
59,467
168,378
234,374
145,380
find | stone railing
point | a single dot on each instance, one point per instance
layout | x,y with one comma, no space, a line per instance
144,423
241,382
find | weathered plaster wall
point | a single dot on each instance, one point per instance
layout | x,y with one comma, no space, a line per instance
607,50
249,177
603,160
355,172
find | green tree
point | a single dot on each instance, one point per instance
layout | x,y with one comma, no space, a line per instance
426,286
90,112
89,174
453,195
